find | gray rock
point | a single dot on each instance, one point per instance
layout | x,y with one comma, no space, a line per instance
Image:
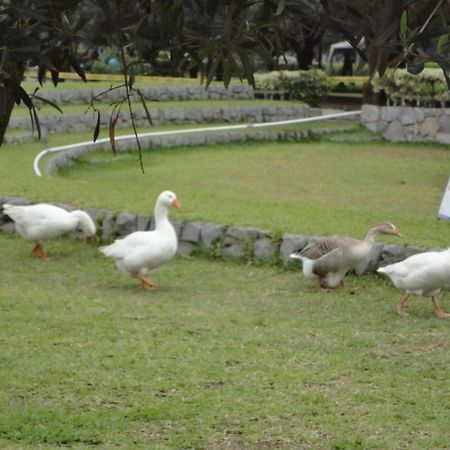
290,243
211,233
264,249
237,242
390,113
429,127
444,124
443,138
420,115
370,113
191,232
143,223
108,223
394,131
372,126
408,116
185,248
391,253
246,233
125,223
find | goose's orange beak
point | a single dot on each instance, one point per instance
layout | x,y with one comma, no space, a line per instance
89,239
176,203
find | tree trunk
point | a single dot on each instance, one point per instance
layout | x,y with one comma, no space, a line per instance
369,96
7,100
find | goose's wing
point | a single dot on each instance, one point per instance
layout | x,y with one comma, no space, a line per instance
330,262
129,244
420,263
318,249
39,220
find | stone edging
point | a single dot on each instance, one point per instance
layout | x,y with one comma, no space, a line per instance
239,243
407,123
76,123
187,92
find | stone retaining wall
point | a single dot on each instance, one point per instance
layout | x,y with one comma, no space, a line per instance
403,123
75,123
241,243
197,92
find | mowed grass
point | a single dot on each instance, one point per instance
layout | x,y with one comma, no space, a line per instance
313,187
218,356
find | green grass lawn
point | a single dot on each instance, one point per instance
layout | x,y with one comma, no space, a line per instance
313,188
218,356
222,355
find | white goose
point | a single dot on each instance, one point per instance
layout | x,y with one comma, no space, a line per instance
327,261
41,222
142,251
424,274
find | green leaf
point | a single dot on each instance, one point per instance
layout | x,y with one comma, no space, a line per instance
36,122
404,24
76,66
97,127
55,76
48,102
442,41
281,7
41,73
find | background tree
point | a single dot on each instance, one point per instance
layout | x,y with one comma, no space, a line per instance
227,37
388,33
33,31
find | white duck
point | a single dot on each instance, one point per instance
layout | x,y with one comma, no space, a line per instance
423,274
42,221
142,251
328,260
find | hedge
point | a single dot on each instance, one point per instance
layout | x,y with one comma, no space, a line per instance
404,89
309,86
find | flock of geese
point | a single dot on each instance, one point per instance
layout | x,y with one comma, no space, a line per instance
325,261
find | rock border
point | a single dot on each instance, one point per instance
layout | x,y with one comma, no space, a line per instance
408,123
76,123
186,92
244,244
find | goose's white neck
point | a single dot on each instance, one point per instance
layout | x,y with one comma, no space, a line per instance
83,220
161,215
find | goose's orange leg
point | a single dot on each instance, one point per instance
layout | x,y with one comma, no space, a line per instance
145,282
438,309
319,286
401,306
345,288
38,251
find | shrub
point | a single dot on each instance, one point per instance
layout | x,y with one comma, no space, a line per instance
309,86
402,88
